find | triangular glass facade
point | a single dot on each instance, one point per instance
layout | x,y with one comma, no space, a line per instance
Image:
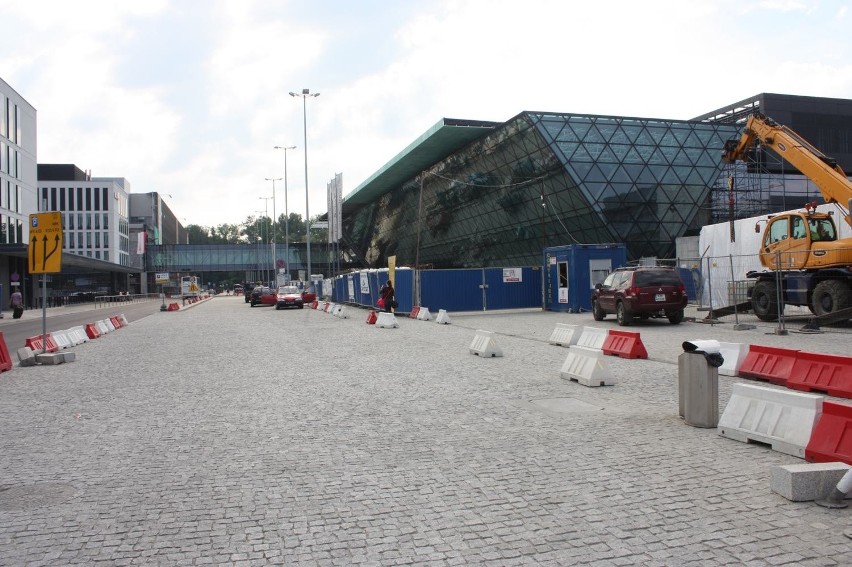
545,180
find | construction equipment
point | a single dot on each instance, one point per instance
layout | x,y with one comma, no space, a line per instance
801,250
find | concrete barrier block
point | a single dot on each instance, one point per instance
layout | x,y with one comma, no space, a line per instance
109,324
781,419
443,317
483,345
61,339
587,366
335,309
26,356
592,337
102,327
342,312
69,356
124,321
386,320
734,354
564,335
80,332
424,315
808,481
49,358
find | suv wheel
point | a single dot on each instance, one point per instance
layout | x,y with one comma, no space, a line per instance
622,315
597,312
675,317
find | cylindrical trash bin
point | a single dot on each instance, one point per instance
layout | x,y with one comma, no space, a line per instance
698,390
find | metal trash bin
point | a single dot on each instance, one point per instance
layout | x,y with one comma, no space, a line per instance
698,383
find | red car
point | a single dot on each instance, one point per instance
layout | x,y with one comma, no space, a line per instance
642,292
262,295
310,294
289,296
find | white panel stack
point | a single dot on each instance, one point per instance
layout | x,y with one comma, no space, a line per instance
780,418
386,320
443,317
483,345
564,335
587,366
424,315
592,337
734,354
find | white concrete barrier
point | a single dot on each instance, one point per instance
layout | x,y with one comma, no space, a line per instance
386,320
110,325
342,312
587,366
564,335
592,337
443,317
424,315
781,419
483,344
734,354
124,321
61,339
335,310
80,333
102,327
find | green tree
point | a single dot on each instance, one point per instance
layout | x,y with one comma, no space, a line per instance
198,234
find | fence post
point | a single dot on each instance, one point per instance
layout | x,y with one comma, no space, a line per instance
779,330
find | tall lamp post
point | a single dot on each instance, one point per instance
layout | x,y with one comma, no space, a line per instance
274,222
305,94
265,219
259,240
286,213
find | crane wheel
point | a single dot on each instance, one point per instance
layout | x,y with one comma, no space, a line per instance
764,301
830,296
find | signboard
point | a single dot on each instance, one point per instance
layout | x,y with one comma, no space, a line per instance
161,277
45,249
513,275
365,283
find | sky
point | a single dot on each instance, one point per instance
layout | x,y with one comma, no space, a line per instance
189,97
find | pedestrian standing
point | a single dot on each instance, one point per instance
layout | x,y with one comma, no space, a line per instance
387,295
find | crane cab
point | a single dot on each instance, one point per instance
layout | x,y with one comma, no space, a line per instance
803,240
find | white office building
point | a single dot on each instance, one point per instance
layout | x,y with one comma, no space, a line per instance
94,211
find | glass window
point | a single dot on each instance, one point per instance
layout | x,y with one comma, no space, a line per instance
97,239
88,240
97,198
62,199
52,199
79,240
88,199
80,201
106,221
777,231
97,221
88,221
18,199
106,240
106,199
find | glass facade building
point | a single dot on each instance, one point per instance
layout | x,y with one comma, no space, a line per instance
539,180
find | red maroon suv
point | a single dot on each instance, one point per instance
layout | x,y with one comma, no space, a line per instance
641,292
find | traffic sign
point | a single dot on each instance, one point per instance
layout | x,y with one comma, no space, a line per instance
45,246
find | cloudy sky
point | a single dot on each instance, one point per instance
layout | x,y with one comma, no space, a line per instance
189,97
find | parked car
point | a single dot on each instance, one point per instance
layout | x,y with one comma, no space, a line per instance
309,294
263,295
289,296
644,292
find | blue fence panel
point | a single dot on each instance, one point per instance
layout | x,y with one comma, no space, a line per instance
453,290
510,294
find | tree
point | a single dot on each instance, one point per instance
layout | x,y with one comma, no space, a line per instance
198,234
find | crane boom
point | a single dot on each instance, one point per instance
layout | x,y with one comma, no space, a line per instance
824,171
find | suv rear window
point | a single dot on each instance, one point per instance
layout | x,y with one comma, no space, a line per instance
652,277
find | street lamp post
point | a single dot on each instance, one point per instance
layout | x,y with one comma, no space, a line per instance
286,213
305,94
274,235
266,241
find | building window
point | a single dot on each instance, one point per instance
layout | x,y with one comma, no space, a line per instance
52,199
62,199
106,240
106,221
97,239
97,198
97,221
80,240
89,241
70,222
88,199
106,198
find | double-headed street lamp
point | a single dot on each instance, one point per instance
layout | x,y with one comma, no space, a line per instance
274,222
286,212
305,94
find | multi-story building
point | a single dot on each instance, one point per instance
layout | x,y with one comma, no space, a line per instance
95,215
17,185
471,193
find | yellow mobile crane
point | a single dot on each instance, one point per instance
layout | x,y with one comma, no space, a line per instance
815,266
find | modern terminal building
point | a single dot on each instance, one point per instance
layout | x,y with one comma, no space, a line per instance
478,194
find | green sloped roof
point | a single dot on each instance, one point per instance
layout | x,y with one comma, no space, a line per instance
444,138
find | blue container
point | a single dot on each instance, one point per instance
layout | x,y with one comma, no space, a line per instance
573,270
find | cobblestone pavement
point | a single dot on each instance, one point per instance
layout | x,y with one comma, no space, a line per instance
232,435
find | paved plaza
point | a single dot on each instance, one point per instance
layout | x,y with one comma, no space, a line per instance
231,435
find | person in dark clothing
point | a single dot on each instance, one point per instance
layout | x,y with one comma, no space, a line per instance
386,293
